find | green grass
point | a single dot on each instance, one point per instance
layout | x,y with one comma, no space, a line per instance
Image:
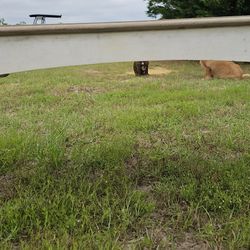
92,157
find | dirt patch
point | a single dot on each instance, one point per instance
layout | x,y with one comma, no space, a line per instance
190,243
155,71
92,71
7,183
165,239
159,71
88,90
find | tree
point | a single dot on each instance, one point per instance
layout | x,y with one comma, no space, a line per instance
197,8
2,21
229,7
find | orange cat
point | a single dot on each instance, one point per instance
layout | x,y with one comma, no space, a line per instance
221,69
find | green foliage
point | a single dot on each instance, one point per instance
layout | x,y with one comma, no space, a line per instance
197,8
2,22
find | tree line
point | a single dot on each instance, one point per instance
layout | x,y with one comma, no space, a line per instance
170,9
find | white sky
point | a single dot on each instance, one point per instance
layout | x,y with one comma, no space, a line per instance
74,11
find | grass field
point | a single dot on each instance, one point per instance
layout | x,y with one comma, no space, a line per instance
92,157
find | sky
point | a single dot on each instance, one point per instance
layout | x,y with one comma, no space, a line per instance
74,11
